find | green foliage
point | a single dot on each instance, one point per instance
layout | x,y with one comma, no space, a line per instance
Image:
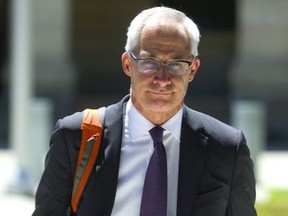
276,205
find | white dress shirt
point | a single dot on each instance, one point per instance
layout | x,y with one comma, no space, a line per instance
136,150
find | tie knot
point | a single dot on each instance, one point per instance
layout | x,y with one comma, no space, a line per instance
157,134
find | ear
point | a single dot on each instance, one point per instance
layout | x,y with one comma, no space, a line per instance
126,63
194,68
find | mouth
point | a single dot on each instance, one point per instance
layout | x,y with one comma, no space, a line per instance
161,92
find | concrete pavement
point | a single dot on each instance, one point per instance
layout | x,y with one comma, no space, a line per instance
12,204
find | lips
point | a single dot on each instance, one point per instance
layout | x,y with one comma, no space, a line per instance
161,92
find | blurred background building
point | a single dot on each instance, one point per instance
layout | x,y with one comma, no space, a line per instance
73,51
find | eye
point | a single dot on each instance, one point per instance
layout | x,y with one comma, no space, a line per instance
176,65
148,65
149,62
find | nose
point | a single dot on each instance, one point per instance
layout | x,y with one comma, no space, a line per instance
162,77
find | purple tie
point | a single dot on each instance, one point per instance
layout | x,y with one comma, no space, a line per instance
154,197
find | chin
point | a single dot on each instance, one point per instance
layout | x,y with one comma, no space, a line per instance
160,106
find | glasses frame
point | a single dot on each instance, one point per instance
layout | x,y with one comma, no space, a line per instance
161,63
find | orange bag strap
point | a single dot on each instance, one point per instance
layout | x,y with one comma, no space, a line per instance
89,148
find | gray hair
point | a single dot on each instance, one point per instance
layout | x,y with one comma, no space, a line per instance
138,23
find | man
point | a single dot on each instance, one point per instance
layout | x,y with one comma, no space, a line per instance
208,170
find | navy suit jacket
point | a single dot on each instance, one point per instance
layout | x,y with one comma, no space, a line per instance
215,170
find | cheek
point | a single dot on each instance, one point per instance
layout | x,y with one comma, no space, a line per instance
139,79
138,83
182,83
181,86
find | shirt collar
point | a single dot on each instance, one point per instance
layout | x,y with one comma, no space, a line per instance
173,125
138,125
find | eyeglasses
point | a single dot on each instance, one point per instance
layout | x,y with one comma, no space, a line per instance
150,65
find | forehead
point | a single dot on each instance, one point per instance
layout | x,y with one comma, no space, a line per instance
165,38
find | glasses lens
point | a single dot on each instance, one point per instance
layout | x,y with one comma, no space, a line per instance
148,66
177,68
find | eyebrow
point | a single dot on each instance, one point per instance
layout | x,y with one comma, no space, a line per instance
169,60
175,58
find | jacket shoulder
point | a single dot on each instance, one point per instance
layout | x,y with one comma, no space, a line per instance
214,128
68,129
72,122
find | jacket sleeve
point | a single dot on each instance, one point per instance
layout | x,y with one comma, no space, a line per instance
242,192
54,190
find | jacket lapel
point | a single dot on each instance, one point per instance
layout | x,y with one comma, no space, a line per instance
109,165
191,161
